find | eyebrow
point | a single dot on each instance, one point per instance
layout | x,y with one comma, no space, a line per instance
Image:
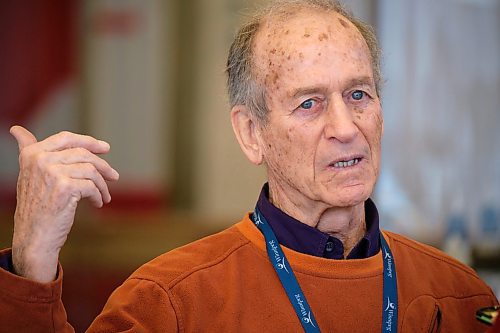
306,91
358,81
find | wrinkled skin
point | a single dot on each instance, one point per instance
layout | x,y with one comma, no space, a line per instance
323,108
55,174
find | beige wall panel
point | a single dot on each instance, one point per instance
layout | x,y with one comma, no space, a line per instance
128,95
226,184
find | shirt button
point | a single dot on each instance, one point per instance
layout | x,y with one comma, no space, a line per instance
329,246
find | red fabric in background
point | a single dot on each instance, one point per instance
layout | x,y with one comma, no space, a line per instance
37,52
86,290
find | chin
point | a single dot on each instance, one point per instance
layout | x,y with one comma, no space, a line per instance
349,196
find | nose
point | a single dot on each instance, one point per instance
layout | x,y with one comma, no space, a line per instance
339,121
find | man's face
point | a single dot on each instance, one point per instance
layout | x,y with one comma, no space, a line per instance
321,142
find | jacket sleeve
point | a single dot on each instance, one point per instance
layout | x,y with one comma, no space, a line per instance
29,306
138,305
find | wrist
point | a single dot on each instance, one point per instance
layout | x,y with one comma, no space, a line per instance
35,264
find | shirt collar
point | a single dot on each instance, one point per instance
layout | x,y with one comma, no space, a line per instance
302,238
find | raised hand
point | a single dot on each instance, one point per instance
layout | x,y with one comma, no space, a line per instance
54,175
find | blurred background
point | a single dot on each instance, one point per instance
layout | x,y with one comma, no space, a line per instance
148,77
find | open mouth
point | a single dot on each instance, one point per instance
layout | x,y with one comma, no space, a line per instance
345,164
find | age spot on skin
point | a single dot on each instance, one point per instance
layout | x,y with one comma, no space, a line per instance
275,78
322,37
343,23
307,35
358,109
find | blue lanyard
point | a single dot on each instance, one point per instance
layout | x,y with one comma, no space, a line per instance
297,297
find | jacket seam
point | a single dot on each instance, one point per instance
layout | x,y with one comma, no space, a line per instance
346,278
52,316
435,298
201,267
167,285
444,260
462,297
169,295
168,289
299,270
177,310
24,299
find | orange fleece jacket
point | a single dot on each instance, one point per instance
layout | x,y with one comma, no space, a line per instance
225,283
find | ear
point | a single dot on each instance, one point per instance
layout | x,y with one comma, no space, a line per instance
247,133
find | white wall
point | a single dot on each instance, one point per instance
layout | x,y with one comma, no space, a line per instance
128,66
441,156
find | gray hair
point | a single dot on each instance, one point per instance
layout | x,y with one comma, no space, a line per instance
244,88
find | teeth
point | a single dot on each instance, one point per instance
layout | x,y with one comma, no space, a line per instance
344,164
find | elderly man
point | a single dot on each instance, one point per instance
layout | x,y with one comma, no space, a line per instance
304,85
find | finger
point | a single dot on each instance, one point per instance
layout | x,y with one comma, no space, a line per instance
86,171
23,137
66,140
88,189
81,155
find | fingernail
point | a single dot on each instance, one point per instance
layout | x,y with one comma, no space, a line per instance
104,144
116,174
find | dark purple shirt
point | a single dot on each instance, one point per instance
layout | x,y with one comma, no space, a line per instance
6,262
308,240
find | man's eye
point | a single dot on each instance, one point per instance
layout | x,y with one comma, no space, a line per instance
357,95
308,104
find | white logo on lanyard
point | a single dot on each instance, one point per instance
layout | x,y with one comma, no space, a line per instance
390,310
387,255
280,261
308,319
257,221
306,316
390,305
281,265
388,258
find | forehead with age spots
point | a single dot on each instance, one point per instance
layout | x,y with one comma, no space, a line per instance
284,46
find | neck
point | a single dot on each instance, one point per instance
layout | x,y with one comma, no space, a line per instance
344,223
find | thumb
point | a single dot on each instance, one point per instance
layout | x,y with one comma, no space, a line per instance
23,136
